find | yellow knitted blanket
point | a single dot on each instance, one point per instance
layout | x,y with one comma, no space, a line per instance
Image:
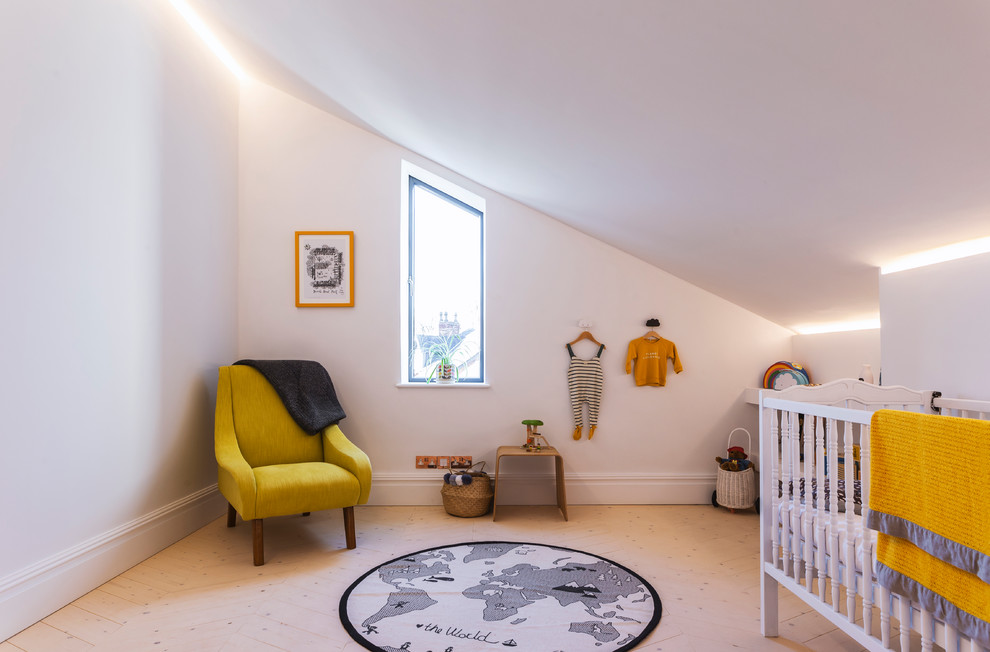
929,500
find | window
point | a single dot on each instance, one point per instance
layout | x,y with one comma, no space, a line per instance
444,303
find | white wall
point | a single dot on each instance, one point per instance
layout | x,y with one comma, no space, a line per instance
118,195
935,332
831,356
302,169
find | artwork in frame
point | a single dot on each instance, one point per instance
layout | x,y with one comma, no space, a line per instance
324,269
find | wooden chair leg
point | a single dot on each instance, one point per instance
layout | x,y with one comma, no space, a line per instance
259,542
231,515
349,528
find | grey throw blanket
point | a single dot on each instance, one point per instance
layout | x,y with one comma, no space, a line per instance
306,390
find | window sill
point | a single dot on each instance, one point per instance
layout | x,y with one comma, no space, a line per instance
443,385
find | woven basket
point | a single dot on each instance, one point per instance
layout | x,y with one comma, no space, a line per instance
736,489
468,500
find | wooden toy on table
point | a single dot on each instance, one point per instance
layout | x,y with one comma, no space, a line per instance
534,440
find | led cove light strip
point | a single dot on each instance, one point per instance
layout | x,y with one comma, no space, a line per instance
204,33
839,327
939,255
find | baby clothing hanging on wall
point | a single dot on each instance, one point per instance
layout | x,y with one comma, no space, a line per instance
650,354
585,381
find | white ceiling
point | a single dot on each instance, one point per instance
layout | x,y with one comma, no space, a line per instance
772,152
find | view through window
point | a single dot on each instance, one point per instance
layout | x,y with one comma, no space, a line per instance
446,287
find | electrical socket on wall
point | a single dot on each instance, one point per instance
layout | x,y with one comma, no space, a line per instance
443,461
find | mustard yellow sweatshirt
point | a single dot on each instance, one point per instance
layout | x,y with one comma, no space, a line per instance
651,360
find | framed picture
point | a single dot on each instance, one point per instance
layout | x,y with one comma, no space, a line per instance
324,269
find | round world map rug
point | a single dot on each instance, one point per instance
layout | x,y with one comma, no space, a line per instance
493,595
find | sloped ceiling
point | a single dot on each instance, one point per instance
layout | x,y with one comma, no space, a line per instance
772,152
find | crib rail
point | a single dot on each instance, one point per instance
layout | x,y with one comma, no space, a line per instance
814,543
960,407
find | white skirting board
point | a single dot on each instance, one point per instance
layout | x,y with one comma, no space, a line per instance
423,488
31,594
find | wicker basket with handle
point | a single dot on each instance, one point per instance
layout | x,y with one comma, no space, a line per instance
469,500
736,489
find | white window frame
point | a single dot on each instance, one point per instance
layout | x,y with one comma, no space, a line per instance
472,200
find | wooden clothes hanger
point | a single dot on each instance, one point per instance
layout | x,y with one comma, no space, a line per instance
585,335
651,334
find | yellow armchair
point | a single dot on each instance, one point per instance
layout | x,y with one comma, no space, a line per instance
268,466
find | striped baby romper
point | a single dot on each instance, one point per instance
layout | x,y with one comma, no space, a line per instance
585,381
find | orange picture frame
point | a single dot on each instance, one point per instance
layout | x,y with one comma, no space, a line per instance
324,269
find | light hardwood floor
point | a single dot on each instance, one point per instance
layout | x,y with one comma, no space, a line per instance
203,593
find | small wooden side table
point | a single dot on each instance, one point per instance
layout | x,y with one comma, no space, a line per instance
519,451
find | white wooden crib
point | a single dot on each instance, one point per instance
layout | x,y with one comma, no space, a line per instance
804,431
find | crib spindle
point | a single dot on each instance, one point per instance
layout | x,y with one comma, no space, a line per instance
869,549
796,511
797,518
847,440
904,616
790,490
820,521
927,631
951,638
833,510
884,599
807,520
772,417
869,586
